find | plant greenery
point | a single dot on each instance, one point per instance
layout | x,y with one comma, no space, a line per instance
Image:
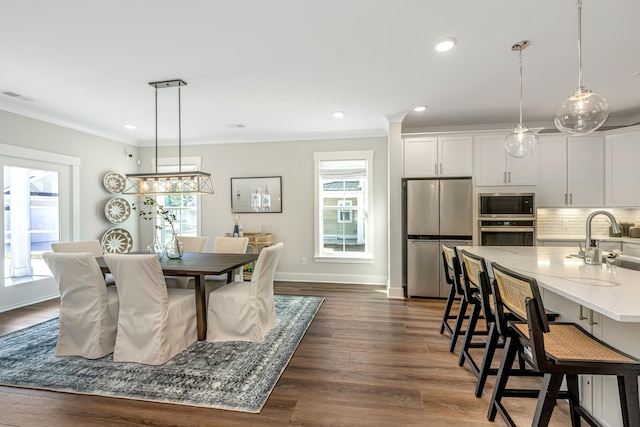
150,207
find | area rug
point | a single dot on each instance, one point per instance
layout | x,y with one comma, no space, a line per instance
235,376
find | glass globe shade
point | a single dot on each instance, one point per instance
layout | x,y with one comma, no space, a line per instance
521,142
581,113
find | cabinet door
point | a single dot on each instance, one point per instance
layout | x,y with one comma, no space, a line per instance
490,160
455,153
622,171
585,172
420,157
523,170
552,172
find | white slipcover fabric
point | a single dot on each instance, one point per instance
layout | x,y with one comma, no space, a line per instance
92,246
225,245
245,311
155,323
190,244
88,308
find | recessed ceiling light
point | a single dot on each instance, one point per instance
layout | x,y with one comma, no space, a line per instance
129,126
445,44
338,114
420,108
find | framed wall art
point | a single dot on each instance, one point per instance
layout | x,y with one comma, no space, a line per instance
256,195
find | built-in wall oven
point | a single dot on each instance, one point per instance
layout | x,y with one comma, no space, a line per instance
506,219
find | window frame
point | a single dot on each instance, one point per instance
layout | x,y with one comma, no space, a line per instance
320,255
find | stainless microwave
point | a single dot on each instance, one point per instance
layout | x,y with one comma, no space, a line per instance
506,205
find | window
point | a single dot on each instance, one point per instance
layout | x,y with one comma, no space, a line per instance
184,207
343,179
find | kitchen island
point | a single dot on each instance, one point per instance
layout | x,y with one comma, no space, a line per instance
603,299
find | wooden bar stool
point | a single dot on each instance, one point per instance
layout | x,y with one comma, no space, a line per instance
453,274
476,277
558,351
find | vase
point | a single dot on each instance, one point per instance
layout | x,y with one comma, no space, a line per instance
174,247
156,248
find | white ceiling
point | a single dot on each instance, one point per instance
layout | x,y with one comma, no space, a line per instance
280,67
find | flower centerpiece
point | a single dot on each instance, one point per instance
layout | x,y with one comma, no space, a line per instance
149,209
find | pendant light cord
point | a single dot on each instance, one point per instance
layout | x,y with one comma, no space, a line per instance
156,128
520,52
579,43
179,130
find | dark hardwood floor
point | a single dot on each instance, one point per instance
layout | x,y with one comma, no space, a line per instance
365,361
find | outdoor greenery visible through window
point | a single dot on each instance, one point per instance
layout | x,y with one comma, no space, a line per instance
343,180
184,207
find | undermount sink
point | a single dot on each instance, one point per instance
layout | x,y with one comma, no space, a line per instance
627,263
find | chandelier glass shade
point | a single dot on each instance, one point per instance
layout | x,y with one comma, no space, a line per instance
171,183
584,111
522,141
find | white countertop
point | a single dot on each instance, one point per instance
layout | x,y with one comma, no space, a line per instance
574,238
611,291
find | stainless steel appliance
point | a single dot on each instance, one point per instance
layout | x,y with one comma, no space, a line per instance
437,211
506,205
506,219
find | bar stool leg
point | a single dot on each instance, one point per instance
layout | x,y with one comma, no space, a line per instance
458,327
628,390
574,399
471,328
508,356
549,389
447,308
489,351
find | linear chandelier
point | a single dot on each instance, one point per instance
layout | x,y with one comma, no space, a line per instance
171,183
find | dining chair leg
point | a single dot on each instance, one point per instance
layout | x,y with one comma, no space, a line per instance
487,358
462,311
447,309
628,390
468,336
547,398
508,357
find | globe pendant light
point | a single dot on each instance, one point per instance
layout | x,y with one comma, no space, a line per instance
522,141
584,111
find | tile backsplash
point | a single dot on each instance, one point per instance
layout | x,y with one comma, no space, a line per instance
572,222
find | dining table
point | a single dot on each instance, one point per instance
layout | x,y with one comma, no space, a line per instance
198,265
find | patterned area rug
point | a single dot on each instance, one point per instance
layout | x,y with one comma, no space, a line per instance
237,376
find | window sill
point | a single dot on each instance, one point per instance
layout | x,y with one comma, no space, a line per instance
365,259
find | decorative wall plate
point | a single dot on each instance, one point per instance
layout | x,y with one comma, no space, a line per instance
117,241
117,210
114,182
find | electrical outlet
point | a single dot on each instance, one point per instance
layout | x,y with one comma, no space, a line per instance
565,223
303,260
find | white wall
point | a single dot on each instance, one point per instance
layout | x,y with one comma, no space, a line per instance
98,156
293,161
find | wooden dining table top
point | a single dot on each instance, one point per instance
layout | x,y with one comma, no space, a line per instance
198,263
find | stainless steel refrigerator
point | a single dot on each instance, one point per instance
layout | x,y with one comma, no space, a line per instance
437,211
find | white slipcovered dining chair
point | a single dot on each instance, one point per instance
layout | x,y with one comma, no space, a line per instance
225,245
245,311
88,308
155,323
92,246
189,244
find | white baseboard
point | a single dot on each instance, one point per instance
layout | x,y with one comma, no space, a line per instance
332,278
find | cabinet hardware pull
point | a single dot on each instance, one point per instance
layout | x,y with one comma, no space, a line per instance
509,174
591,322
570,198
566,203
581,316
440,168
435,169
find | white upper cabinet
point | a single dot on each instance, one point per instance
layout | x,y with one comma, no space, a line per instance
442,156
622,170
570,172
494,167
